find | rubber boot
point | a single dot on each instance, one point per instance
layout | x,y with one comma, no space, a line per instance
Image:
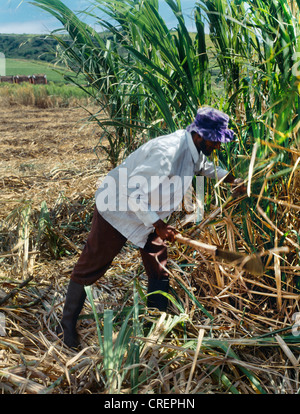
157,300
73,305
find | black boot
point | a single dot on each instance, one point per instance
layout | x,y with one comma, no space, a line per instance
157,300
73,305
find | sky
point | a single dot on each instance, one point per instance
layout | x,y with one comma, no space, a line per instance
20,17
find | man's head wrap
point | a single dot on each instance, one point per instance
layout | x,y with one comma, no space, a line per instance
212,125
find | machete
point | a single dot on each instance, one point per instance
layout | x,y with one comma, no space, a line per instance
251,263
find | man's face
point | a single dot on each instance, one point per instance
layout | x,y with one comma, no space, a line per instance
205,146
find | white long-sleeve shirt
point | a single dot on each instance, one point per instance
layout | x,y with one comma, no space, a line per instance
151,183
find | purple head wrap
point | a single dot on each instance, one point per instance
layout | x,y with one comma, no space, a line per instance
212,124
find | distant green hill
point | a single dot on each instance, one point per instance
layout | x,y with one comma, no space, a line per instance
34,47
29,55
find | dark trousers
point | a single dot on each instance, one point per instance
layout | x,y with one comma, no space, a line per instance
104,242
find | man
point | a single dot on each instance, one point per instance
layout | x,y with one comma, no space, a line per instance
132,203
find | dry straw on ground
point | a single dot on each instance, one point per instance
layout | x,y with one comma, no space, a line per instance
218,342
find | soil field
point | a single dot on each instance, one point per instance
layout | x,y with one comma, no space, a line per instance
37,141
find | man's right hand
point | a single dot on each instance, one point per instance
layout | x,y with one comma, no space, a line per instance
164,231
238,187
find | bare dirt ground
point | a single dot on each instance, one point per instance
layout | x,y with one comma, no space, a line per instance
45,144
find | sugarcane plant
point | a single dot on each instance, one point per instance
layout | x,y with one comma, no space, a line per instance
144,76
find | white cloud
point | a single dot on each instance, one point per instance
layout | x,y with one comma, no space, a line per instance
29,27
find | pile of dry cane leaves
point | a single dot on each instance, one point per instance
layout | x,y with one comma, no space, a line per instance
234,332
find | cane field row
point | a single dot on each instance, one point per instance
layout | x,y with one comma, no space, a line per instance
56,93
29,67
42,96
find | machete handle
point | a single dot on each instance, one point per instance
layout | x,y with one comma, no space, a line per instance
196,244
